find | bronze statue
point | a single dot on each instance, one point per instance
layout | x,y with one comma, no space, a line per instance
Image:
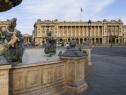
72,51
50,46
13,43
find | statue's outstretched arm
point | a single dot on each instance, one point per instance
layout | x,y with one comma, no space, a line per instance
13,40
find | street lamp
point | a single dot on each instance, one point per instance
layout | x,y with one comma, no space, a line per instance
112,38
89,39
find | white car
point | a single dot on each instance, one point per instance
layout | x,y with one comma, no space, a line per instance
67,45
58,45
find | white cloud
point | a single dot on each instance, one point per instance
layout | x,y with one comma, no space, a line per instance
57,9
64,9
99,5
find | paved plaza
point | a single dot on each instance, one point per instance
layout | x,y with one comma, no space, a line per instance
108,73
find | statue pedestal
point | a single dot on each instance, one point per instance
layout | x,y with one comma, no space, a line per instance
4,79
75,74
88,51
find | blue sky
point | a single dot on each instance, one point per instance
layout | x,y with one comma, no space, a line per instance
69,10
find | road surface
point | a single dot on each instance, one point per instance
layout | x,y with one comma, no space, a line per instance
108,73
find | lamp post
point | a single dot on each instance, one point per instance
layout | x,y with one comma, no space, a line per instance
89,37
110,38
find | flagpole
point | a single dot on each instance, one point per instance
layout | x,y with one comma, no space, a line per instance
81,11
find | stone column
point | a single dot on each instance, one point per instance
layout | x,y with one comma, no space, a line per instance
94,36
119,40
84,31
71,35
87,34
79,32
58,29
76,31
83,40
95,41
98,31
4,79
67,34
108,40
63,31
103,41
98,35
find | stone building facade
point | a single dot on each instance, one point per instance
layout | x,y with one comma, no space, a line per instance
7,23
27,39
124,34
96,33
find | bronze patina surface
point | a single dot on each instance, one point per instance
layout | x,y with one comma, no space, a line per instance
6,5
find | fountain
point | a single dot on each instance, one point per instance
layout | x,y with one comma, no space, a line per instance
6,5
55,76
77,68
12,49
50,46
66,74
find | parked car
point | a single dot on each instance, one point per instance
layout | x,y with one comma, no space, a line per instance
58,45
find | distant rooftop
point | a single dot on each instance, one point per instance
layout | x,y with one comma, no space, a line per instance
124,26
57,21
26,35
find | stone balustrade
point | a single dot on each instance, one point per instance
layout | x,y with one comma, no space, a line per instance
51,78
4,79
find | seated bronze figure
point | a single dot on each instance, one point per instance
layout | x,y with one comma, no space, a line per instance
50,46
